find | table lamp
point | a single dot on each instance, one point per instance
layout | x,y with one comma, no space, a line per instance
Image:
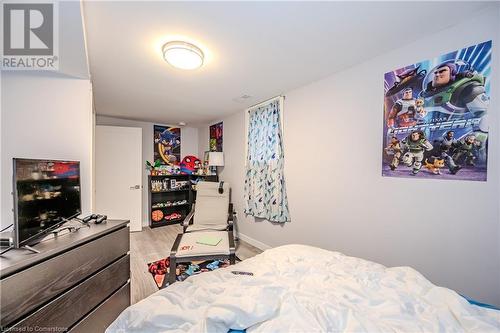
215,159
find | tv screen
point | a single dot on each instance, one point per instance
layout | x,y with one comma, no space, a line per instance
45,193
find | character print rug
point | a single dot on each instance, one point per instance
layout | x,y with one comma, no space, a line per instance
159,269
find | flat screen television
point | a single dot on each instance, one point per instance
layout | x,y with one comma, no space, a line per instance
46,192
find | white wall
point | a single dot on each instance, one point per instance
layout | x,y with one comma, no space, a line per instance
45,116
203,138
189,146
448,230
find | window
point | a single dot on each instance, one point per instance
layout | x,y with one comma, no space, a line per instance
265,190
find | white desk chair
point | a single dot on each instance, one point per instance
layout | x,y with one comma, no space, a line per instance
212,210
211,217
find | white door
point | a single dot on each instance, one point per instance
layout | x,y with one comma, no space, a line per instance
118,173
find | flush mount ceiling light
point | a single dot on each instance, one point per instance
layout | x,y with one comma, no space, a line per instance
183,55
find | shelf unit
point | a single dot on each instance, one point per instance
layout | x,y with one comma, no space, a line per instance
162,190
167,191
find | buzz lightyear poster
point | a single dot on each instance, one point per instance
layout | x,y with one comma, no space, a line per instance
436,117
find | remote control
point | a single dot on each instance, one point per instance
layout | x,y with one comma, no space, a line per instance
242,273
100,219
88,218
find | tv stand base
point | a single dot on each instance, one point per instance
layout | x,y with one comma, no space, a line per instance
29,248
26,247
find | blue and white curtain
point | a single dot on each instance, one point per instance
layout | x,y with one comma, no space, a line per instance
265,191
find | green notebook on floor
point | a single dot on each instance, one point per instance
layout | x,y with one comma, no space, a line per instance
209,240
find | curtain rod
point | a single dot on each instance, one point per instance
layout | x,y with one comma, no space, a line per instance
248,109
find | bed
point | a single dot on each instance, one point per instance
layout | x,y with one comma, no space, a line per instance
298,288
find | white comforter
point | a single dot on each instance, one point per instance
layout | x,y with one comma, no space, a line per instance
298,288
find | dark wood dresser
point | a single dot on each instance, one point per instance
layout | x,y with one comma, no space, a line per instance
79,282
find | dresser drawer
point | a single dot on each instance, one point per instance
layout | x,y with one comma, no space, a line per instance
29,289
99,319
67,309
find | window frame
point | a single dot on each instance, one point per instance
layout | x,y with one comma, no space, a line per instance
281,100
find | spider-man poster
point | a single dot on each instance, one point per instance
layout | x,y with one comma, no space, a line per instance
436,116
167,144
216,137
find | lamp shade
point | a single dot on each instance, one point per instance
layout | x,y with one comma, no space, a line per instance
216,158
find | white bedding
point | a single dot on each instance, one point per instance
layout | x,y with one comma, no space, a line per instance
297,288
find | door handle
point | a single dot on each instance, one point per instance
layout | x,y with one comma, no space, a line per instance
135,187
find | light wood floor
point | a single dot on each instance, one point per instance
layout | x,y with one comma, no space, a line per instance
153,244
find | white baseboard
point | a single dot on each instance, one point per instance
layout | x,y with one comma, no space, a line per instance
254,242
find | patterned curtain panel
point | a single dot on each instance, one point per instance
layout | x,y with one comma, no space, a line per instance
265,191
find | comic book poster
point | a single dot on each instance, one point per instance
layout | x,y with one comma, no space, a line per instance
436,117
215,143
167,144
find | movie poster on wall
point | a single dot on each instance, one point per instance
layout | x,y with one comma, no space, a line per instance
436,117
216,133
167,144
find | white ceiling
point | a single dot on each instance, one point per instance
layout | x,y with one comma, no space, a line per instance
72,54
260,49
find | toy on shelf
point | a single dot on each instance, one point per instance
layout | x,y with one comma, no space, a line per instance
167,170
166,184
153,167
156,215
173,216
158,169
159,185
169,204
190,165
